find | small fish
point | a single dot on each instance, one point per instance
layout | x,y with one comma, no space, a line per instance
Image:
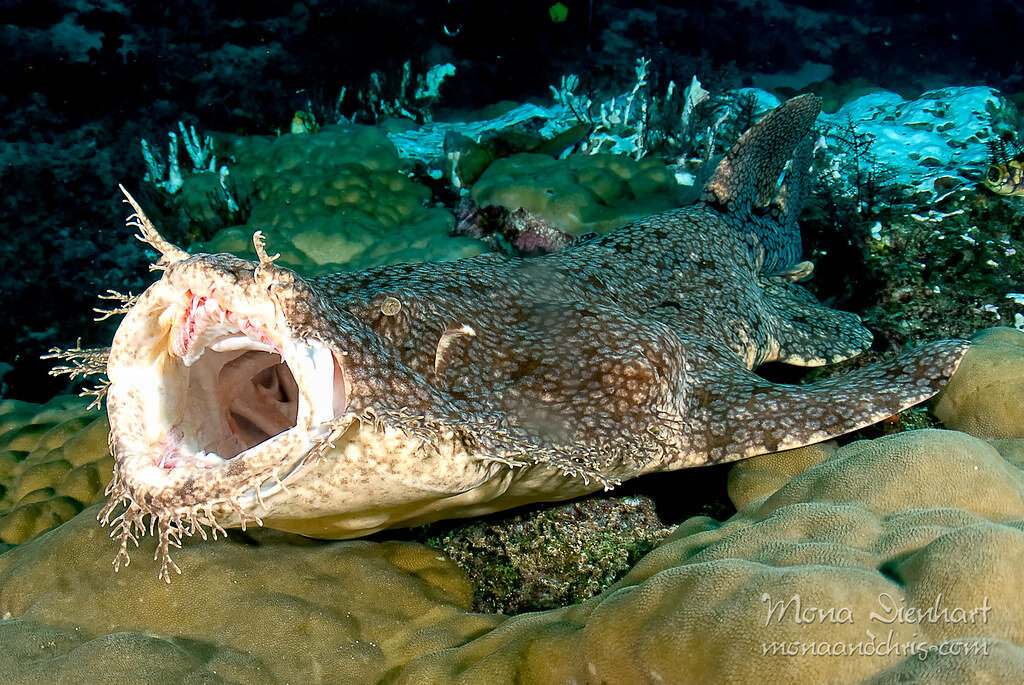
304,122
1005,176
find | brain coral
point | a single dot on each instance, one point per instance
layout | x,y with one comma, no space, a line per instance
265,607
924,529
984,397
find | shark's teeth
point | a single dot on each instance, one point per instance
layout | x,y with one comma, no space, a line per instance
198,459
208,458
205,324
240,342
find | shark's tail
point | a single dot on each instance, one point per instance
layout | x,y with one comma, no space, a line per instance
742,415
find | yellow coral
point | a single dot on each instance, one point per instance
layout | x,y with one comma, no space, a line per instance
984,396
753,479
923,529
902,522
53,462
353,611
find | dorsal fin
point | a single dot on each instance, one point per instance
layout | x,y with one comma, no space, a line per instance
793,191
782,244
748,176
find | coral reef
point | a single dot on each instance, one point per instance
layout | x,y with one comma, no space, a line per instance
785,590
926,143
891,557
53,463
928,520
354,611
753,479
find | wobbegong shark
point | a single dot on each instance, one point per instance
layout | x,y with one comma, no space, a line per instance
239,392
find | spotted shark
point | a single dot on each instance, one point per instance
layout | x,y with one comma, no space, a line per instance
240,392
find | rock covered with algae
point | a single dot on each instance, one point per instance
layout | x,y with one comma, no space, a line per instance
553,555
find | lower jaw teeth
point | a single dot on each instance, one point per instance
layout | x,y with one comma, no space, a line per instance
208,459
200,459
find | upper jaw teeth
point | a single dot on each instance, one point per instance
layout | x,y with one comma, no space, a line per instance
205,324
239,342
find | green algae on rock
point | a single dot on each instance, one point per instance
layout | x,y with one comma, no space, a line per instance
555,556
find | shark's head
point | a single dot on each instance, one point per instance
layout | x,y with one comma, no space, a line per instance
237,393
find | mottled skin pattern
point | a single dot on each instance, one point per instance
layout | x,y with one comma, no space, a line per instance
481,384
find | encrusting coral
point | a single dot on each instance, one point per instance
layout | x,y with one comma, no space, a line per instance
581,193
267,607
887,527
339,198
754,478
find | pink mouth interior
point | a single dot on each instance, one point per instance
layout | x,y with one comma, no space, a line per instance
239,390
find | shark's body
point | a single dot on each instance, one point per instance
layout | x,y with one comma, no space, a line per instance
342,405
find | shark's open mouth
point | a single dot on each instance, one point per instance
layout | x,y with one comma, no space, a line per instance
222,392
239,388
231,380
